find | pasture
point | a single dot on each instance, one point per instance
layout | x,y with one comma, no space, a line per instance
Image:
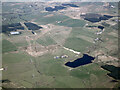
7,46
38,70
46,41
79,40
50,72
72,23
77,44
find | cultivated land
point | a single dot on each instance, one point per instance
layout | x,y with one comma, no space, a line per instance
29,58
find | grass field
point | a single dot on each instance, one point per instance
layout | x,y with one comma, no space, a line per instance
53,19
14,58
39,18
19,40
44,71
7,46
54,73
79,40
46,41
72,23
77,44
78,31
66,21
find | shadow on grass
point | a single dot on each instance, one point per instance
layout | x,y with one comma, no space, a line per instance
114,71
5,81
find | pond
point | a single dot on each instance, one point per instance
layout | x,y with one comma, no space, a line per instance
86,59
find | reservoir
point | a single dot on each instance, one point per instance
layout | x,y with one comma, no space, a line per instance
86,59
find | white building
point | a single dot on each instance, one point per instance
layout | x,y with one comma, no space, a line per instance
99,33
1,69
14,33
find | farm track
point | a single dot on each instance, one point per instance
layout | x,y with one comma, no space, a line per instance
71,50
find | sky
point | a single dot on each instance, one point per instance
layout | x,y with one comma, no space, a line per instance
60,0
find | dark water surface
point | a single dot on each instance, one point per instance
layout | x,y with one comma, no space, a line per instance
86,59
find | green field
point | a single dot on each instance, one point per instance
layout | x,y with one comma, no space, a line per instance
77,31
66,21
79,40
7,46
72,23
77,44
53,72
14,58
27,65
46,41
53,19
41,19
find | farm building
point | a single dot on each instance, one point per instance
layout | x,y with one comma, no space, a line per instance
14,33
